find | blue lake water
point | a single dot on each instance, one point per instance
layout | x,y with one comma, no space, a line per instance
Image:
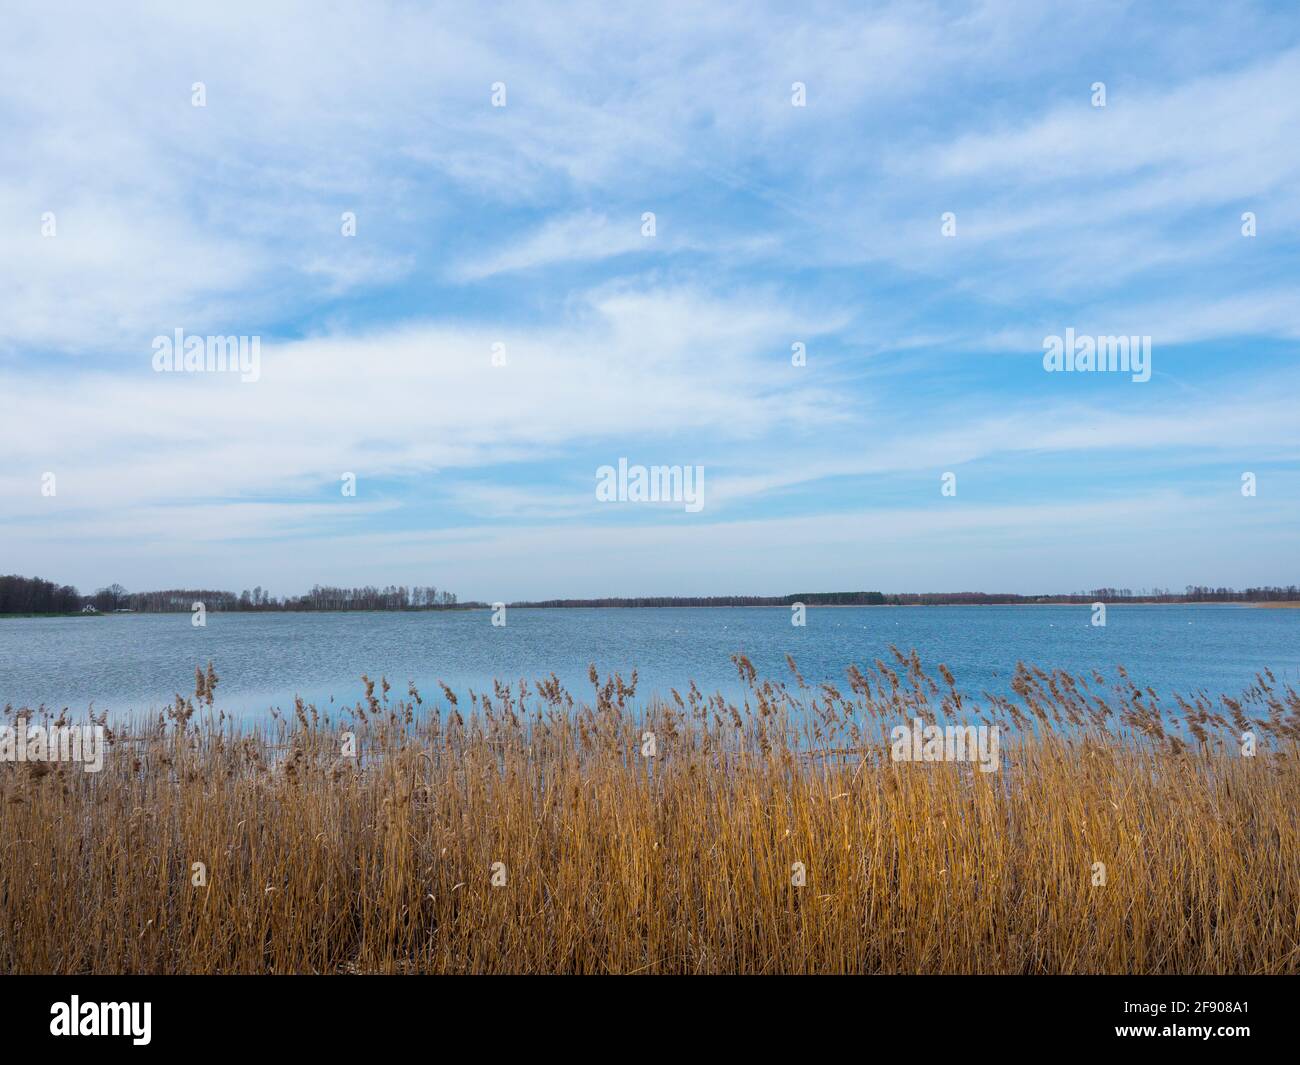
138,662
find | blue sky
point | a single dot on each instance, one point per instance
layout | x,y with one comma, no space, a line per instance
774,225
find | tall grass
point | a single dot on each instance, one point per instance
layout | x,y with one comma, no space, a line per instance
614,862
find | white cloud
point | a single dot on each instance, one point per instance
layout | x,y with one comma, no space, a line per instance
582,237
632,364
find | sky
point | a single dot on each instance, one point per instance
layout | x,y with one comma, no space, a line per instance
435,221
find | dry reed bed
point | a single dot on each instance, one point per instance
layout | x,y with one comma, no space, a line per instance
680,863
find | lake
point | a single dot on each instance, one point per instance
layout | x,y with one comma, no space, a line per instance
138,662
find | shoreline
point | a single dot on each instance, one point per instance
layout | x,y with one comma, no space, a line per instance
1261,604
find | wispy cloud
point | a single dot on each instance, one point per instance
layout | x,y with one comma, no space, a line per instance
584,237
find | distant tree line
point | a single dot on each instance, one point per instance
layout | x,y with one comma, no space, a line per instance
32,595
392,597
1193,593
1254,595
808,599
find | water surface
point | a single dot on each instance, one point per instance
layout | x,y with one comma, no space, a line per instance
138,662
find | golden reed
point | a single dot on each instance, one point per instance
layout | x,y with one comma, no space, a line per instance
529,832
